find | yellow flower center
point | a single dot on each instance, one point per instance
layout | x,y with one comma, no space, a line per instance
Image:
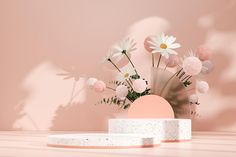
126,75
163,46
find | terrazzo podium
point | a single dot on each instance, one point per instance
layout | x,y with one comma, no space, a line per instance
102,140
33,144
168,130
128,133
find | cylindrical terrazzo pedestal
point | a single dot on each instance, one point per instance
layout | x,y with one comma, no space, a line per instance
102,141
168,130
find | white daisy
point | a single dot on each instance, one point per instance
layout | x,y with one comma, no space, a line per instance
125,46
126,73
119,51
164,45
108,56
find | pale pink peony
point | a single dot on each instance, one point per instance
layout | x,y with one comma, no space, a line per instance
121,92
192,65
207,67
202,87
193,98
147,44
139,85
99,86
204,53
91,81
172,61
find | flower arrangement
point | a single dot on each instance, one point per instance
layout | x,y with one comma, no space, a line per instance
129,85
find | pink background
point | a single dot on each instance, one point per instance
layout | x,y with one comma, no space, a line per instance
39,39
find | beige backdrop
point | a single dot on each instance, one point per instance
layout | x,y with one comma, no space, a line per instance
41,38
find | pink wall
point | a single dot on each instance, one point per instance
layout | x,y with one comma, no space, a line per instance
38,39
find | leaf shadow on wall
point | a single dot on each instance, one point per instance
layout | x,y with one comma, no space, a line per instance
68,37
224,118
61,34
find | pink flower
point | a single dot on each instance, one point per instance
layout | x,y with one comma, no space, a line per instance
202,87
91,81
172,61
139,85
121,91
147,44
99,86
204,53
192,65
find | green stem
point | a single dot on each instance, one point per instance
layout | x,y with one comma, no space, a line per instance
181,75
110,88
167,84
129,84
189,77
179,71
109,60
186,77
130,81
120,70
159,60
169,81
130,62
166,66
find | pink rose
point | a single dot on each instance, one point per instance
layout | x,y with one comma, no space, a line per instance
147,44
91,81
139,85
204,53
202,87
121,91
192,65
99,86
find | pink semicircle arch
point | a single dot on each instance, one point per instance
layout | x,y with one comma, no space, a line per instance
150,106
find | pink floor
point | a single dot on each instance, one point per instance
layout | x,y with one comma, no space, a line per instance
33,144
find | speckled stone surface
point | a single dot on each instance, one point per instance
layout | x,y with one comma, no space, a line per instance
167,130
102,140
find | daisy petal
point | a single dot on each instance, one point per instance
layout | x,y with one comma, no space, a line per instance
174,46
170,51
152,43
170,40
165,54
153,47
163,44
155,51
163,35
116,55
158,49
117,48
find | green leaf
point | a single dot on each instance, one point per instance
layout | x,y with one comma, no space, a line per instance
126,106
136,76
187,83
111,100
117,83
